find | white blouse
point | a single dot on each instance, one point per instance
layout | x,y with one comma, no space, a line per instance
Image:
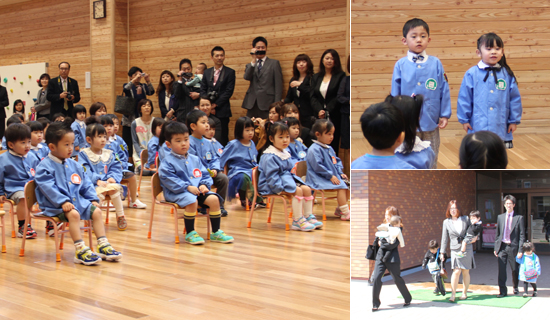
323,89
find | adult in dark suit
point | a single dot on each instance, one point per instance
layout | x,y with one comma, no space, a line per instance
392,264
167,99
63,92
266,81
184,96
344,97
220,79
4,102
509,240
299,89
324,93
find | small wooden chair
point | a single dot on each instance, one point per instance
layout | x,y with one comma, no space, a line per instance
2,213
30,197
255,177
144,156
156,189
12,214
301,170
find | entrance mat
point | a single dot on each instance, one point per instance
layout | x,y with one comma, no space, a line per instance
478,299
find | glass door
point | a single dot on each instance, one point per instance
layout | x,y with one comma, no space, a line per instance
539,208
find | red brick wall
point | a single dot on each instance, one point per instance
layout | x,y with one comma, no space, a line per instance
421,198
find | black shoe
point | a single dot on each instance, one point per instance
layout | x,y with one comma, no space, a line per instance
375,309
516,291
260,205
534,294
224,213
407,304
243,203
502,295
436,291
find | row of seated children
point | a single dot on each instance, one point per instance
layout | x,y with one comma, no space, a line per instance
391,129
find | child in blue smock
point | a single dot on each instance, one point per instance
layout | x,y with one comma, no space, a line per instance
529,268
186,182
17,167
63,190
418,73
489,96
296,148
153,144
240,157
79,128
413,150
197,122
210,137
38,148
103,168
277,176
325,169
383,127
15,118
116,144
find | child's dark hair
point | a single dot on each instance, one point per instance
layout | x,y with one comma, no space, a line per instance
290,121
490,40
193,117
44,121
57,115
143,102
212,123
35,126
56,132
78,109
241,124
272,129
16,102
203,65
410,109
476,214
482,150
170,129
207,98
321,126
156,123
413,23
105,120
528,247
433,244
113,117
18,116
97,106
278,106
94,128
382,123
15,118
17,132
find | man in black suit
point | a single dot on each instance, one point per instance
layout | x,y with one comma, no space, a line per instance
63,92
4,102
266,81
221,80
509,240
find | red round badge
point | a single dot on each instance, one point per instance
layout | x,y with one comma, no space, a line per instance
197,173
32,172
334,160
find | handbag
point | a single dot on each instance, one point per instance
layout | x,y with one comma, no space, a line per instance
530,274
125,105
372,250
434,266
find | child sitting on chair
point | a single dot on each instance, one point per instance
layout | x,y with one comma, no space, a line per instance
38,147
186,182
63,190
474,229
390,232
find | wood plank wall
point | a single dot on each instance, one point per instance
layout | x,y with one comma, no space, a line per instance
163,34
48,31
455,27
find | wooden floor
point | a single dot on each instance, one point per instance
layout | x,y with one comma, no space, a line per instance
530,151
266,274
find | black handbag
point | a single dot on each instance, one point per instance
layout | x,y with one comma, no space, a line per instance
125,105
372,250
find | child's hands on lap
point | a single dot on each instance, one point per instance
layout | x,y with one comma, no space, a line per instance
95,204
67,206
101,183
335,180
111,180
203,189
193,190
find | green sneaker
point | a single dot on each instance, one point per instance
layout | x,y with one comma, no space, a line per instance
193,238
220,236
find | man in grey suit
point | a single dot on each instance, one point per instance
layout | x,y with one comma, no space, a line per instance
266,81
509,240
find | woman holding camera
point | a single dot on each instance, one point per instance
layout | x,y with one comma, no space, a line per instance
300,88
324,93
42,105
138,91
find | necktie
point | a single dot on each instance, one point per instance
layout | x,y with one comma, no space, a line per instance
419,57
507,227
216,76
260,65
494,70
65,105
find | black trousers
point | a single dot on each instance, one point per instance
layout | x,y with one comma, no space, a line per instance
336,119
507,255
2,127
395,272
255,112
225,131
127,137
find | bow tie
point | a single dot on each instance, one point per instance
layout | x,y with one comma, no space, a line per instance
419,57
494,70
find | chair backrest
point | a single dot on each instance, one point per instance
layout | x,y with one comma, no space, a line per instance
2,151
155,186
301,168
144,156
255,178
30,195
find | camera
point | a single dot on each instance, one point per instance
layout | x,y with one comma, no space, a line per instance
143,74
69,96
258,52
187,75
212,95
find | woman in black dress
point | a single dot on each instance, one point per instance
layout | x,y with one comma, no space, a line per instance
299,89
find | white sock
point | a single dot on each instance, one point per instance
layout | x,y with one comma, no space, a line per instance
296,207
308,206
102,240
344,209
79,245
117,203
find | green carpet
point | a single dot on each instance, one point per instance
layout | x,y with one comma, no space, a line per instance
478,299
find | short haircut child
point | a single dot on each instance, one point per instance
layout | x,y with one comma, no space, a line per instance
35,126
321,126
433,244
170,129
56,131
78,109
193,117
382,124
395,221
97,106
528,247
482,150
413,23
17,132
410,108
155,124
212,123
16,102
58,117
105,120
15,118
44,121
143,102
475,213
241,124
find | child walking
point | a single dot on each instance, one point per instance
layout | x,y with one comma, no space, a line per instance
529,268
276,177
436,266
103,168
325,169
489,96
418,73
186,182
63,190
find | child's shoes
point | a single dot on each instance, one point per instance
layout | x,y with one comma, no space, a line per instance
534,294
302,225
121,223
220,236
137,205
86,256
312,220
107,253
338,212
193,238
345,217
